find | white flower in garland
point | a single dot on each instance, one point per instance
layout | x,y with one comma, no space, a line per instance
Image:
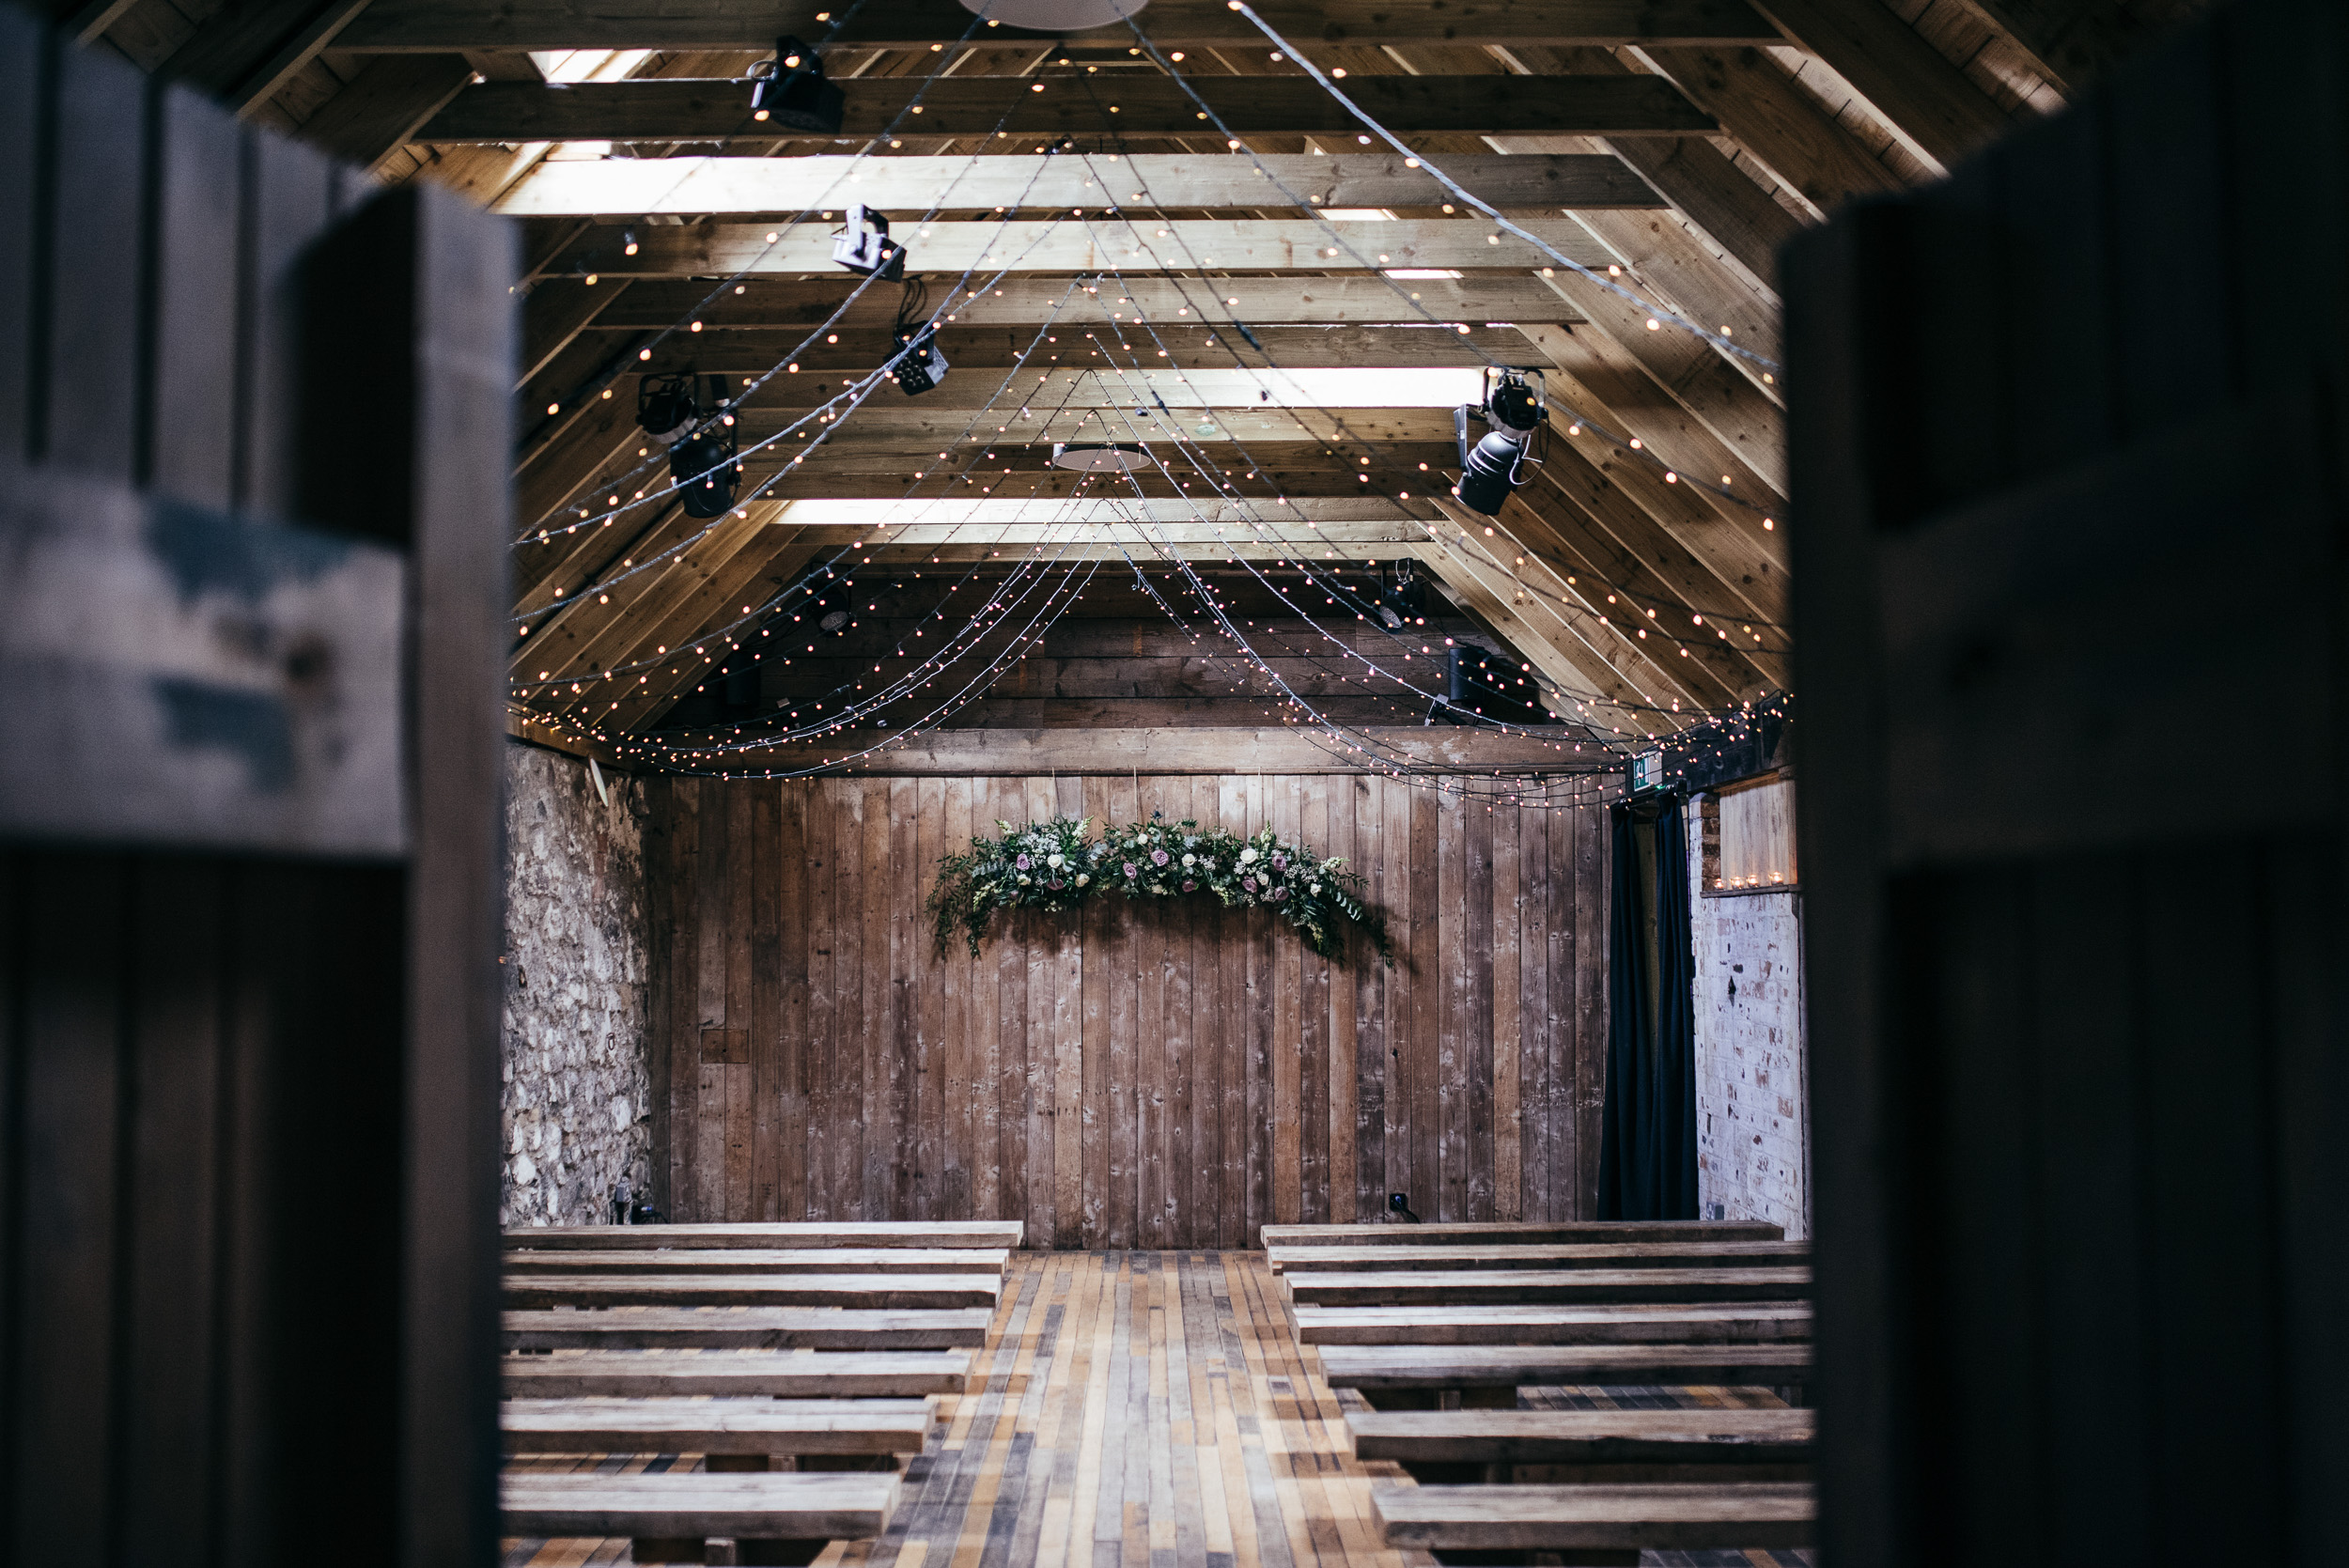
1259,870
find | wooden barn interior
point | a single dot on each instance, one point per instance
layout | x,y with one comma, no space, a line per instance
900,785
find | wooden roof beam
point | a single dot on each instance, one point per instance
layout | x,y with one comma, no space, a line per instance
903,423
750,578
1632,544
1217,749
1085,244
2069,43
592,637
245,53
711,24
557,311
1025,300
1934,108
1709,191
704,111
556,471
1547,526
1364,517
1745,418
749,351
1613,686
1771,118
1595,376
379,108
700,187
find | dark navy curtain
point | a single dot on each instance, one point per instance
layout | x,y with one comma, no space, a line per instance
1648,1158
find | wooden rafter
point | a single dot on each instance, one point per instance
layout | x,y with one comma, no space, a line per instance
1077,245
525,24
1755,102
720,111
695,187
1927,101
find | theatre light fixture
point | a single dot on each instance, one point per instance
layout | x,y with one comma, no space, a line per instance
792,92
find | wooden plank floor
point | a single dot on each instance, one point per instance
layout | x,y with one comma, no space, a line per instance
1140,1410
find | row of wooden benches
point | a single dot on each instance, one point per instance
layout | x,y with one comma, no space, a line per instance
1437,1326
824,1365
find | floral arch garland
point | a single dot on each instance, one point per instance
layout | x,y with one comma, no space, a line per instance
1057,865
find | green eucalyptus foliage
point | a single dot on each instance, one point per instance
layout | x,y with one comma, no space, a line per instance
1059,864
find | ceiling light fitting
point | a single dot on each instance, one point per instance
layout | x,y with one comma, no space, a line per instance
1053,16
1112,457
1493,467
792,92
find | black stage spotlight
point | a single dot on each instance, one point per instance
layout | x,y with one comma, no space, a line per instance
705,470
923,364
863,245
920,364
792,91
666,406
1494,465
702,460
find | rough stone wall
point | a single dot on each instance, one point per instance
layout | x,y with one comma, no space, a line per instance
1753,1136
576,1095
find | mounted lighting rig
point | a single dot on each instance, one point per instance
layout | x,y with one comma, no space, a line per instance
696,424
919,363
1493,466
792,91
863,245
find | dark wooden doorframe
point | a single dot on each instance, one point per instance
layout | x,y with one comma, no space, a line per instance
254,428
2077,1027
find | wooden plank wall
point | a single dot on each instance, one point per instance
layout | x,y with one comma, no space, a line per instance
1134,1076
2080,1090
248,1103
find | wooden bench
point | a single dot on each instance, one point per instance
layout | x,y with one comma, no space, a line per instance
1597,1254
1519,1232
757,1428
761,1260
986,1233
1484,1287
804,1374
522,1291
1759,1324
779,1517
1402,1378
747,1329
1612,1446
1586,1521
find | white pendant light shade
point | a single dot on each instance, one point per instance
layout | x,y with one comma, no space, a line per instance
1110,459
1055,16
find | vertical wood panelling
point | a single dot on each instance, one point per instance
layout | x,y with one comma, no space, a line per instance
1508,935
1143,1074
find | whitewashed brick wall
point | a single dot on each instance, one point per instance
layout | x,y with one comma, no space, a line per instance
1753,1146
